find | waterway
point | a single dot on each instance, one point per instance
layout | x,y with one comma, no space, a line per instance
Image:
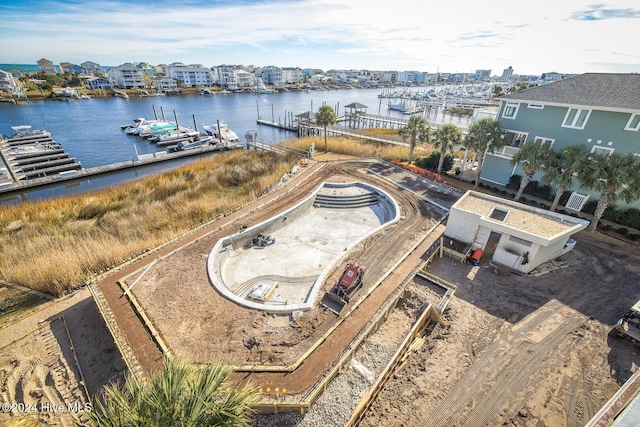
90,130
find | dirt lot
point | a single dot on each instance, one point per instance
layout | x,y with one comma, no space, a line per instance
522,350
514,350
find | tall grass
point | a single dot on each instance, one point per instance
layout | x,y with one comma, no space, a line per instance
56,244
361,148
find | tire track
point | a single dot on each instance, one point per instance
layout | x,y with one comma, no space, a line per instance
494,381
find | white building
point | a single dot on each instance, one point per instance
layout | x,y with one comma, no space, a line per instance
292,75
513,234
126,76
165,84
99,83
194,75
9,84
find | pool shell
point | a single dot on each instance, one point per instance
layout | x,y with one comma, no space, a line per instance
338,198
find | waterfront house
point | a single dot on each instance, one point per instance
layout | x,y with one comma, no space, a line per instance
127,76
46,66
91,68
68,67
509,233
272,75
194,75
9,84
99,83
165,84
601,111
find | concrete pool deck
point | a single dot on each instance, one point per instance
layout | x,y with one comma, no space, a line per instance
311,238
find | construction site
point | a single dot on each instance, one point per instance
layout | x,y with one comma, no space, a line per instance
340,297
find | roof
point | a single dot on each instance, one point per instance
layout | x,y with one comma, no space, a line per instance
356,105
604,90
547,225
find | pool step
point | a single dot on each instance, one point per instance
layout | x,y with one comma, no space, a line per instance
345,202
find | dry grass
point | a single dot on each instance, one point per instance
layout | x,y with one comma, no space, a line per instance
53,245
360,148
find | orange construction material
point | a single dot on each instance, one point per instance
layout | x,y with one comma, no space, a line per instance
475,257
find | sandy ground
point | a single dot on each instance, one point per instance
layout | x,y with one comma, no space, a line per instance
513,350
522,350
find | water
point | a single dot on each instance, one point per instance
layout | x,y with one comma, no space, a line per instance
90,130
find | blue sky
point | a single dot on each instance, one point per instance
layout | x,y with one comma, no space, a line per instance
571,36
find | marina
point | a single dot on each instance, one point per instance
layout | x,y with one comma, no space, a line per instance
94,131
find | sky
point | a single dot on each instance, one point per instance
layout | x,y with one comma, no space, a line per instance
566,36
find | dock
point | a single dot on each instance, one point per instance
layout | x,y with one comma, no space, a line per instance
31,154
8,187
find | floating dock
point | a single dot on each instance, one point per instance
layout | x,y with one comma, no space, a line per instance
31,154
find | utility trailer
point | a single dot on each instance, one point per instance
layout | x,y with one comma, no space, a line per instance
348,284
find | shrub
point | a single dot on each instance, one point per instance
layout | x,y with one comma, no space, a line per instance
590,207
631,218
623,230
604,227
431,162
514,181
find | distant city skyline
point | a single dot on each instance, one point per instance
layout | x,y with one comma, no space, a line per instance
575,36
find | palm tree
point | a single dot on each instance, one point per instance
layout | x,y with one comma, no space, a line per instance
444,138
532,157
561,167
616,176
180,395
416,128
484,135
325,117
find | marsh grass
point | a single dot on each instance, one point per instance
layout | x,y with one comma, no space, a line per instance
360,148
53,245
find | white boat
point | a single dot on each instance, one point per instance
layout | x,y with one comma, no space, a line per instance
226,134
25,132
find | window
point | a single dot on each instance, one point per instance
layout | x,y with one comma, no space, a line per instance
634,123
542,140
520,241
605,151
499,214
510,110
535,106
513,141
576,201
576,118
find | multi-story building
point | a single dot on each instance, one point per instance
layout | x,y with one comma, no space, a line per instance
507,72
99,83
9,84
127,76
601,111
165,84
272,75
292,75
68,67
46,66
194,75
91,67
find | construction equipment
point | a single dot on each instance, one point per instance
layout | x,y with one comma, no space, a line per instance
347,285
629,325
262,240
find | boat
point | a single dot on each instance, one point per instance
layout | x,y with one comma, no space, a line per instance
199,141
205,92
226,135
261,88
25,132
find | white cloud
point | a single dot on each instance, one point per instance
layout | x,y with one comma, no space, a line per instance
548,35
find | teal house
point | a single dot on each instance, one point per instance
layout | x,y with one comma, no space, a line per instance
601,111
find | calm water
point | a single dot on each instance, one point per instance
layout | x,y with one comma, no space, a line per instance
90,130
